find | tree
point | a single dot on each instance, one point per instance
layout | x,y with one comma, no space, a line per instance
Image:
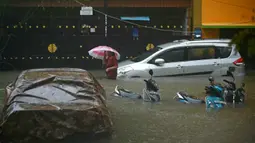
245,44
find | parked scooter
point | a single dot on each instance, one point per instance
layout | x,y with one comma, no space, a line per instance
214,96
150,92
184,97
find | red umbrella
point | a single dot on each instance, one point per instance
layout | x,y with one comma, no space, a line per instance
98,52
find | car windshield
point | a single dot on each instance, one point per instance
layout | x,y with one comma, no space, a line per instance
145,54
154,50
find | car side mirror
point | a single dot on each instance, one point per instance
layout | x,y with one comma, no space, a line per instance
159,61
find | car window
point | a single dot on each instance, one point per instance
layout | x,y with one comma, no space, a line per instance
174,55
200,53
223,52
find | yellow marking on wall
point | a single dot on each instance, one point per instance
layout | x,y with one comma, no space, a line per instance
118,26
37,26
73,26
59,26
168,26
174,26
7,27
161,26
155,26
44,26
95,26
66,26
112,26
149,46
30,26
52,48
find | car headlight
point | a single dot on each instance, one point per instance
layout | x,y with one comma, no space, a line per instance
124,70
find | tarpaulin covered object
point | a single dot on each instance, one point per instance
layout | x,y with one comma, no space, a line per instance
51,104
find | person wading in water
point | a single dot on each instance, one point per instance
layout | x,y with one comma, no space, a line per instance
111,65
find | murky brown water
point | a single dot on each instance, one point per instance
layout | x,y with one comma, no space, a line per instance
170,121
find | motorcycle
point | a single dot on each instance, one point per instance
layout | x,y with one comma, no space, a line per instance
231,93
183,97
149,94
214,97
210,100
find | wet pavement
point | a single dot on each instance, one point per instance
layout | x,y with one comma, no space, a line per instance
169,121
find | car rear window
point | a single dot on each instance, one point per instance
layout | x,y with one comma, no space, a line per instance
223,52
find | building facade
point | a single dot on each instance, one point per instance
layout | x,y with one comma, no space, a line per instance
44,33
223,18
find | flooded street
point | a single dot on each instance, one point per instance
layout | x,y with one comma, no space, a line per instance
169,121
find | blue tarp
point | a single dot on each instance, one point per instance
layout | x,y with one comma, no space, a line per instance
139,18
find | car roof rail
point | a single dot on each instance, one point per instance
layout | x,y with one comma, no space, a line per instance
211,40
181,40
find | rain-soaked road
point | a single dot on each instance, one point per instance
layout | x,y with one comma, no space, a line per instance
170,121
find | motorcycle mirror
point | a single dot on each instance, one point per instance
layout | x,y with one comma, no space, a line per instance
229,73
151,72
243,84
231,69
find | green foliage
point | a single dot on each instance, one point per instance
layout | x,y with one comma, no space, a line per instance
245,39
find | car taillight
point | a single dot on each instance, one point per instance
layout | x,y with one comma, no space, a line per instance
238,62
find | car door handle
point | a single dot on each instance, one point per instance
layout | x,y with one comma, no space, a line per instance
216,64
179,67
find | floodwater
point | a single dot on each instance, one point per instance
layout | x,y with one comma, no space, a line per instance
136,121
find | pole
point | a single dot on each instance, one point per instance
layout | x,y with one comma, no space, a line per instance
105,17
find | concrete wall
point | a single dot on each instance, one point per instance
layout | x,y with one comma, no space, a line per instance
197,17
212,15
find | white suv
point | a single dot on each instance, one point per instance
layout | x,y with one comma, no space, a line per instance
185,58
